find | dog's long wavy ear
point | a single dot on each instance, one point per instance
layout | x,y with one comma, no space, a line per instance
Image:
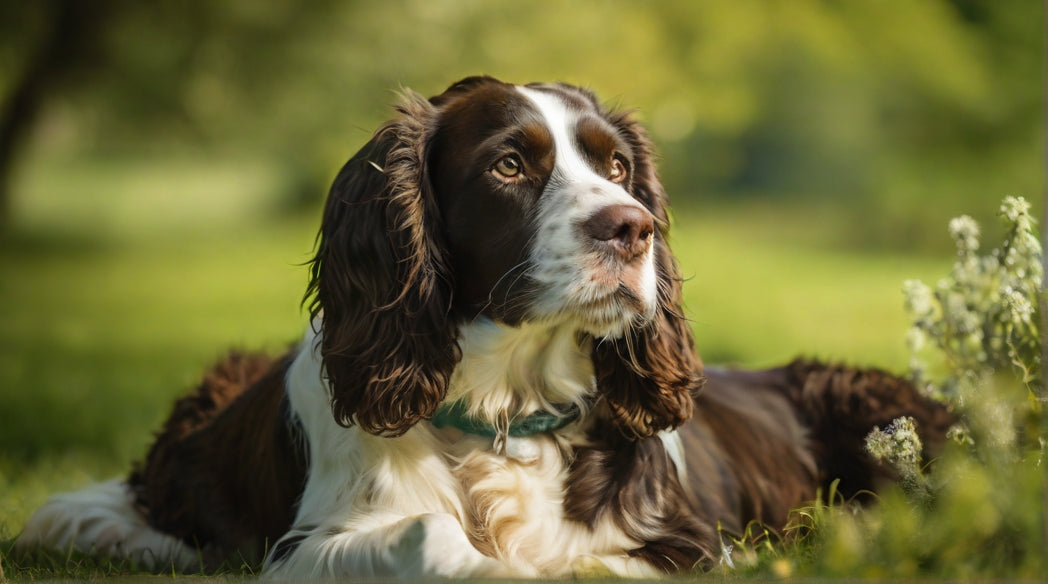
651,375
379,282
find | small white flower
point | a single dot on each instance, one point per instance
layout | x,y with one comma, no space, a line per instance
1020,309
918,298
898,445
965,231
1015,208
1027,242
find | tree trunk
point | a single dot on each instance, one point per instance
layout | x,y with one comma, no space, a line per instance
71,43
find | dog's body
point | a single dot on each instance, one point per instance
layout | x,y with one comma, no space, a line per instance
498,380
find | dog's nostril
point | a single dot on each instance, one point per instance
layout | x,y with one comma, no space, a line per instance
625,226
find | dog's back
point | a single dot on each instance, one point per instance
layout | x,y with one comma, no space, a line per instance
764,442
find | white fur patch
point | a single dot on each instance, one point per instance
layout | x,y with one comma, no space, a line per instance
675,450
521,369
101,519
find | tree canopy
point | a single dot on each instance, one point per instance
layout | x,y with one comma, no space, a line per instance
883,106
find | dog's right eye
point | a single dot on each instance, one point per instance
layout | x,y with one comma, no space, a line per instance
508,167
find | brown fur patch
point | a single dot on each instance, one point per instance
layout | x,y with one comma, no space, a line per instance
226,470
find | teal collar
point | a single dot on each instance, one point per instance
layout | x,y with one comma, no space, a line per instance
456,415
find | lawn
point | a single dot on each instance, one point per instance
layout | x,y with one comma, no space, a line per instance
117,286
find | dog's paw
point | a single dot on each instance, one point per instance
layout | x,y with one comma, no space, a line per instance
434,544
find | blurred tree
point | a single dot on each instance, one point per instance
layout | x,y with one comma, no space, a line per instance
165,71
882,106
69,42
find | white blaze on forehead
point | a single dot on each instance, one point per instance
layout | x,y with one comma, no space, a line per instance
561,121
570,165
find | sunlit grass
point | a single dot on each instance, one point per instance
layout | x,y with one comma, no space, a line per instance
104,320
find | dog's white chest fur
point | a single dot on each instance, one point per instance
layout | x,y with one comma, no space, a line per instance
515,508
506,499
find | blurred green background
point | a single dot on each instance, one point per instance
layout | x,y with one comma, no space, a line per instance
162,165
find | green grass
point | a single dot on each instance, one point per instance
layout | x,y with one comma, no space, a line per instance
764,288
115,294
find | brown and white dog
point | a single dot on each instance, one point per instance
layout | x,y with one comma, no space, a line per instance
498,380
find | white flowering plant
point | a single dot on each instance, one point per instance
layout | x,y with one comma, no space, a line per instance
983,316
983,319
977,512
900,446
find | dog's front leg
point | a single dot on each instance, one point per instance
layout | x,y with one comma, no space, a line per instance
431,544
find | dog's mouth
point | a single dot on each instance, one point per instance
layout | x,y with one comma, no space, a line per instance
600,295
604,312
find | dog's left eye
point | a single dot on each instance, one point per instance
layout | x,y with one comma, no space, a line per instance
508,167
618,171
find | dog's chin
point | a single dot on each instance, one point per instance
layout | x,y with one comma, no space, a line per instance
611,316
602,302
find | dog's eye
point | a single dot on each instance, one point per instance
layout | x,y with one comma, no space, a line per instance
618,171
508,167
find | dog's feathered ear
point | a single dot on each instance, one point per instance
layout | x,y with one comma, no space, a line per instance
651,375
380,283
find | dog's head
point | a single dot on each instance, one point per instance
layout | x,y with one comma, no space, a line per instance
519,203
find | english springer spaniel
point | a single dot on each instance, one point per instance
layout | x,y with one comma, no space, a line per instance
499,380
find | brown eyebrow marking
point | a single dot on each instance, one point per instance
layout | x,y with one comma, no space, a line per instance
598,141
536,144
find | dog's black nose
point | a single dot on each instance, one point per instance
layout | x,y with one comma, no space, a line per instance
626,229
